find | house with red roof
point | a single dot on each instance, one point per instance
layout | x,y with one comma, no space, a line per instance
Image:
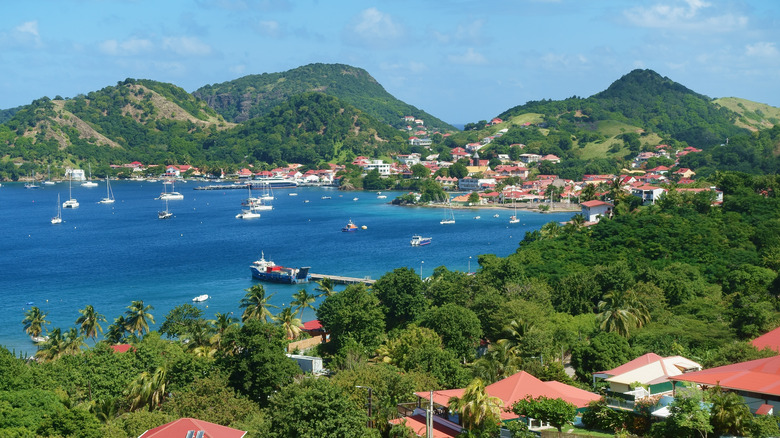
192,427
649,194
122,348
651,370
769,340
757,381
684,172
510,390
594,210
496,121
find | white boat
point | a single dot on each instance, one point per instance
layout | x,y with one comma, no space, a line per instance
109,199
165,214
354,199
200,298
292,194
31,184
58,219
477,217
89,182
248,214
326,197
172,195
381,197
71,202
495,215
48,181
449,215
256,204
513,219
268,193
418,240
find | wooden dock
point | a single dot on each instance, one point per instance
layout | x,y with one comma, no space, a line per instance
339,279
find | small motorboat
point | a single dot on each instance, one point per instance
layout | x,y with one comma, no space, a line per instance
200,298
418,240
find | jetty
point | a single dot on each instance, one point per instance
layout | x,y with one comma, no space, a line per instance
339,279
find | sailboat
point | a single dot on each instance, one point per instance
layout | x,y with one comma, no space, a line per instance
48,181
31,184
172,195
71,202
513,219
109,199
268,193
248,214
89,182
256,204
449,215
165,214
58,219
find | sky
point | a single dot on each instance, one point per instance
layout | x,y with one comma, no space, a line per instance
459,60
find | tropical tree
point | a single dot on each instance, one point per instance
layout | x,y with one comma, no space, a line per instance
621,312
325,287
476,407
221,323
728,413
89,322
53,348
499,362
73,341
117,331
138,317
513,334
556,411
34,322
303,300
292,325
588,193
255,304
148,389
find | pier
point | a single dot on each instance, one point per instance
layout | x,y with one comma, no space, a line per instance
339,279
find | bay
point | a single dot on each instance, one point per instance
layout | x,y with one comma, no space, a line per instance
109,255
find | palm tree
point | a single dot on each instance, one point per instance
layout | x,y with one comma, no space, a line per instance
221,323
138,317
588,193
90,322
255,304
148,389
291,324
201,335
513,334
728,413
34,322
105,409
475,406
73,341
53,348
499,362
550,230
303,300
116,331
325,287
621,311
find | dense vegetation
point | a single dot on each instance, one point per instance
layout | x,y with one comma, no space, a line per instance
256,95
680,277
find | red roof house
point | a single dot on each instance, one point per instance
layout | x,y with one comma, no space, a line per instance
181,427
768,340
122,348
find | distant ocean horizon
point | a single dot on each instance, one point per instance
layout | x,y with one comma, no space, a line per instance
110,255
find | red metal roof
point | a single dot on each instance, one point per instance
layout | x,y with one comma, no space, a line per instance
760,376
312,325
764,409
417,424
180,427
121,348
634,364
770,339
517,387
595,203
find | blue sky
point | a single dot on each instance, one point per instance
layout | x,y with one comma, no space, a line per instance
460,60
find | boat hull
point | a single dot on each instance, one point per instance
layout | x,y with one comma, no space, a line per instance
302,276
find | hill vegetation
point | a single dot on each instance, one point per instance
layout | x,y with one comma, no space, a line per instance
256,95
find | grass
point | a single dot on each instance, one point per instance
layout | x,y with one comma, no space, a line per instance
755,115
610,129
588,433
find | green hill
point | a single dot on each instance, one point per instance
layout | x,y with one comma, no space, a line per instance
255,95
752,115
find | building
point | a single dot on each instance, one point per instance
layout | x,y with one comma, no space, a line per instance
476,185
649,194
593,210
757,381
379,165
192,427
651,370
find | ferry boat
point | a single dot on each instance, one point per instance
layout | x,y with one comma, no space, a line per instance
273,182
418,240
349,227
267,270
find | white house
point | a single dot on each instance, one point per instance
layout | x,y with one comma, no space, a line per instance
649,194
474,184
76,174
381,166
592,211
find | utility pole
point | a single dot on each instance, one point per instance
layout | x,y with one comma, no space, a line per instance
370,391
429,417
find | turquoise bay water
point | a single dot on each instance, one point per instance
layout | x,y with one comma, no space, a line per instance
109,255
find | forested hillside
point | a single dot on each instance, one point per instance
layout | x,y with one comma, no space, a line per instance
255,95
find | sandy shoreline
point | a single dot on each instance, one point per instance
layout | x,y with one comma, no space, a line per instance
559,207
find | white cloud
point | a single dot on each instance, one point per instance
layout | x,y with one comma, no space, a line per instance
690,15
762,49
186,46
23,36
129,47
28,27
471,57
375,28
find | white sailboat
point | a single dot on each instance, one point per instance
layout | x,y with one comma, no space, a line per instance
256,203
449,215
109,199
58,219
268,193
89,182
172,195
513,219
251,213
165,214
48,181
71,202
